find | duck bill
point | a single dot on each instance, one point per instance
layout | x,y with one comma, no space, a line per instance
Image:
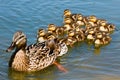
11,47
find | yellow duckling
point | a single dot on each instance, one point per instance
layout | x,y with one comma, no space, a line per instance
59,31
106,39
67,12
67,20
51,28
71,33
67,27
92,20
33,57
70,41
101,22
98,42
111,27
41,35
50,36
90,35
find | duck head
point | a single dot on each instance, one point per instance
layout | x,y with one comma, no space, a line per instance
19,41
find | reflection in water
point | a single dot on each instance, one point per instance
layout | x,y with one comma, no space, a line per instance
46,74
29,16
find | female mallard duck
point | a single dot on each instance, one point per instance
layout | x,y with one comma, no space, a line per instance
33,57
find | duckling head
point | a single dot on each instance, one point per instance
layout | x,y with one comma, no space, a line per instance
67,27
67,12
51,27
41,32
19,41
50,36
67,20
71,32
79,17
92,18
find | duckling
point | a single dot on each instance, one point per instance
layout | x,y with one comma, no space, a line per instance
68,20
41,35
70,41
59,30
67,12
101,22
50,36
92,20
51,28
106,39
98,42
71,33
33,57
90,35
67,27
111,27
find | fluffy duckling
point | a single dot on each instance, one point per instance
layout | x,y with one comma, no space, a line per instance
59,30
50,36
70,41
90,35
67,27
68,20
41,35
106,39
111,27
92,20
33,57
67,12
101,22
51,28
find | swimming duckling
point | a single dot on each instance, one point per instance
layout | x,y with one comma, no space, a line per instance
106,39
41,35
67,27
111,27
51,28
67,12
67,20
59,30
50,36
92,20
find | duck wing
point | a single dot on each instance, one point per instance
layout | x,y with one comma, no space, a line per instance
40,55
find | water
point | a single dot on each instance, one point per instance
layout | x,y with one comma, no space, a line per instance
82,61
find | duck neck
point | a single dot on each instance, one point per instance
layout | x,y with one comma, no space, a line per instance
19,60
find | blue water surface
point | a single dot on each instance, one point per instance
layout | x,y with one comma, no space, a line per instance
82,61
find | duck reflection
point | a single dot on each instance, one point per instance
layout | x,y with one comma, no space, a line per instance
45,74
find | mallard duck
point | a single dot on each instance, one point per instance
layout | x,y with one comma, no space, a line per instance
33,57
